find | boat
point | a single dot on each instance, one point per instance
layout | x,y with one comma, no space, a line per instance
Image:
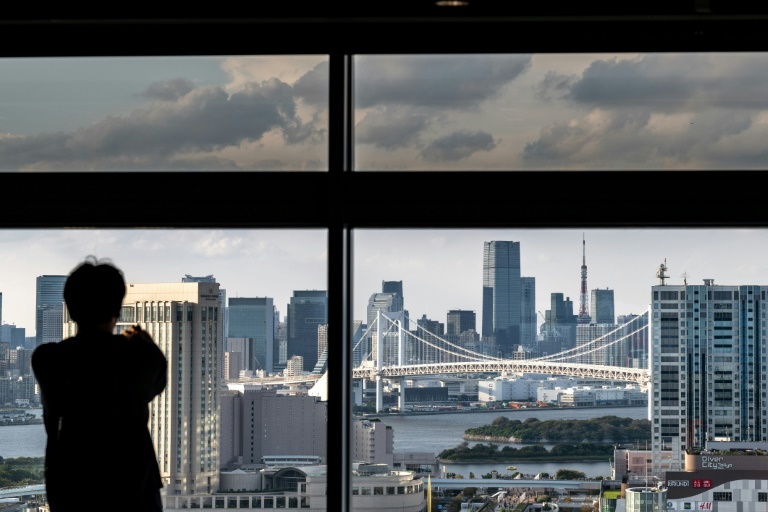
511,468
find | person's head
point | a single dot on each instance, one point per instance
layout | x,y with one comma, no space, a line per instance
94,292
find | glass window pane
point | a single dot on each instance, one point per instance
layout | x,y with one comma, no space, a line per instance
641,111
218,365
219,113
537,323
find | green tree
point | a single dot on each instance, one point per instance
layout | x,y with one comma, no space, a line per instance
569,474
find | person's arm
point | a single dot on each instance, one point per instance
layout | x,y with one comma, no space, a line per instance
156,363
43,366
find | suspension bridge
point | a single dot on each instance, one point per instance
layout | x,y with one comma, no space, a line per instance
386,350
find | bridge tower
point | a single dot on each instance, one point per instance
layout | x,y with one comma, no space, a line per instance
379,364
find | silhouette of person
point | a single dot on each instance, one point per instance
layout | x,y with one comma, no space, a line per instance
95,388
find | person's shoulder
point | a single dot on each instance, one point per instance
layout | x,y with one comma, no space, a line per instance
50,351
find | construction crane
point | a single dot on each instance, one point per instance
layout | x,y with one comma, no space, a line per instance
551,330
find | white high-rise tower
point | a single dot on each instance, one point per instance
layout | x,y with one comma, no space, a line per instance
186,322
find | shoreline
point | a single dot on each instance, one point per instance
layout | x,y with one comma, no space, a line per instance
497,411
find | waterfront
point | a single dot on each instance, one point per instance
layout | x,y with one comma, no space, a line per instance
413,433
437,432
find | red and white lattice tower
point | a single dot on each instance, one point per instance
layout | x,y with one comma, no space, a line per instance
583,317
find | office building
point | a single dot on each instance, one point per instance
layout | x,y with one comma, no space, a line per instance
708,368
184,319
16,336
257,422
372,442
528,320
5,359
294,367
307,309
387,309
396,288
253,318
232,366
502,295
559,329
49,303
459,321
636,339
601,307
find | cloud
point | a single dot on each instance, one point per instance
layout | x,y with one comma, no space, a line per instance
312,87
631,139
390,128
671,82
203,120
657,111
170,90
444,81
458,146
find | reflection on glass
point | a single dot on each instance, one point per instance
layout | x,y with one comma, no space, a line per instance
561,111
229,113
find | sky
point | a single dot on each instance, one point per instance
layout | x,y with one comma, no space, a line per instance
418,112
441,270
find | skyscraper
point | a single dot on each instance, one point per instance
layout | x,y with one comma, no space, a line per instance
49,300
184,320
459,321
528,312
708,367
306,310
222,296
601,307
253,318
502,294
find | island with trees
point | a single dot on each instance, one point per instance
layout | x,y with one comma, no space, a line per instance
604,430
491,452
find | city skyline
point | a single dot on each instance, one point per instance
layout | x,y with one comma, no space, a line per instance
441,270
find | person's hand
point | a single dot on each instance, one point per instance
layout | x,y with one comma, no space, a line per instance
136,330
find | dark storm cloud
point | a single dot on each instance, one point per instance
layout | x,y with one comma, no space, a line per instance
671,82
450,81
170,90
205,119
313,86
457,146
390,128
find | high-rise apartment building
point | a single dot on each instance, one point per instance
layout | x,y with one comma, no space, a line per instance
49,300
601,310
184,320
708,367
502,295
307,309
253,318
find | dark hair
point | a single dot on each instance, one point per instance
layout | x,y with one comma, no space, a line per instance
94,291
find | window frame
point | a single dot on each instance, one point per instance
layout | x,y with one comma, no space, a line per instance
470,199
